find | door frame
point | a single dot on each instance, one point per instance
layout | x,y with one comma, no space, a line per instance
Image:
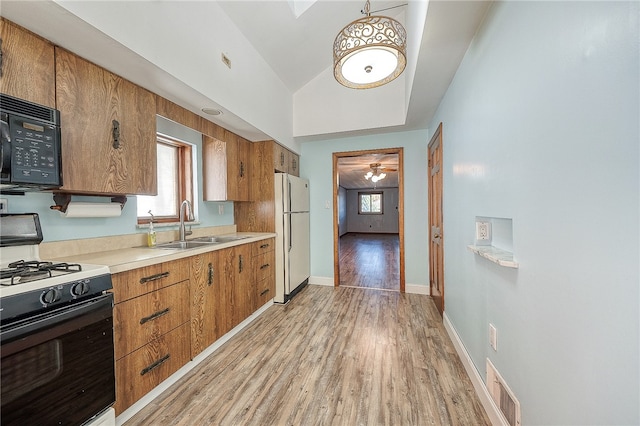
436,266
336,237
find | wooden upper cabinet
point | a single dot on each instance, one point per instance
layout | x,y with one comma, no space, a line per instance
294,164
226,168
28,65
285,161
280,158
108,130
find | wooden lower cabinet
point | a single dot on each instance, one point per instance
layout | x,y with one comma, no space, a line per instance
264,258
151,327
144,369
208,307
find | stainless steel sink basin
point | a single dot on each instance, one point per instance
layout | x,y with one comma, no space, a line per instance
219,239
182,245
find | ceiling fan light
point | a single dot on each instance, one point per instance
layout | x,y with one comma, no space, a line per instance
382,176
369,52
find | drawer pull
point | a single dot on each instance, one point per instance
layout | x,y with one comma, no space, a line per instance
264,292
155,315
155,365
264,266
159,276
264,246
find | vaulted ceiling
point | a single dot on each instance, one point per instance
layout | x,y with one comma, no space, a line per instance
281,82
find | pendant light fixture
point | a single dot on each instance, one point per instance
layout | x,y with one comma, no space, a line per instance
370,51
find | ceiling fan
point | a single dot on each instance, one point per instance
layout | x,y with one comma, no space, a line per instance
377,172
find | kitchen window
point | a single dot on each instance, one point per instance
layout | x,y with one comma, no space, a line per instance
370,203
175,182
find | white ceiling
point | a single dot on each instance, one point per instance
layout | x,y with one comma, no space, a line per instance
298,50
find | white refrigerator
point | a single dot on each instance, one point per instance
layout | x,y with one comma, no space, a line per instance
292,235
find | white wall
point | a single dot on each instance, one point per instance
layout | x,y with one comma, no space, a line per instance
541,125
385,223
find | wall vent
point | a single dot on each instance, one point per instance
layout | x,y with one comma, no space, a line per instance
504,398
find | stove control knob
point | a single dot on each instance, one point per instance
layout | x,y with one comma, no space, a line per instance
50,296
80,288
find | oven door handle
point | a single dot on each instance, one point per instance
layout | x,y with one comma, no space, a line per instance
58,322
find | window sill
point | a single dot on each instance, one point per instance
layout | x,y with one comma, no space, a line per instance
495,255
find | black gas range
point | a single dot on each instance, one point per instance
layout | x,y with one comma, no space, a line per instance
56,333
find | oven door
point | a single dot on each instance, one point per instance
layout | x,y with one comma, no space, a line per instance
58,368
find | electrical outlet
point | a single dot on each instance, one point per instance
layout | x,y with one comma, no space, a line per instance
493,337
4,205
483,231
220,209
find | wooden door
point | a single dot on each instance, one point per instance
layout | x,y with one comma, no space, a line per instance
436,247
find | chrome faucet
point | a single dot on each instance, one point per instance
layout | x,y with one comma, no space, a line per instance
189,213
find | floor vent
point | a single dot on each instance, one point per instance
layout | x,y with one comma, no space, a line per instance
503,397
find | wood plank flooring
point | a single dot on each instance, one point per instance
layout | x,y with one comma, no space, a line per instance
370,260
332,356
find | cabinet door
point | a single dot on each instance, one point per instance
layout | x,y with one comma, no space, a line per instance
280,158
237,293
214,169
206,291
294,164
108,131
238,156
28,66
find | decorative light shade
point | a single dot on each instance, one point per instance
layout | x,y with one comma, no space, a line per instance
369,52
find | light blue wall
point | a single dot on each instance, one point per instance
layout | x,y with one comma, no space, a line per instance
541,125
57,228
316,164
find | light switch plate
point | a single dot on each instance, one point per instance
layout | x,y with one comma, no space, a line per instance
493,337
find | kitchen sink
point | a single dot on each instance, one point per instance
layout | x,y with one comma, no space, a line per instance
183,245
218,239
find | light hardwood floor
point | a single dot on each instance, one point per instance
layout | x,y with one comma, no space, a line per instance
332,356
370,260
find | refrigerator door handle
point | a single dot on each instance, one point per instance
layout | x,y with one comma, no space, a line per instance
290,232
289,197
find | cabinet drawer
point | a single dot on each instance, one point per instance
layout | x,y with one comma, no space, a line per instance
265,291
144,369
134,283
263,246
143,319
264,265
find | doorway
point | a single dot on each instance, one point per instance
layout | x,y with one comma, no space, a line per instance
357,163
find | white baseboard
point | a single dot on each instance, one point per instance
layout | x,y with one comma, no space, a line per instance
417,289
490,407
157,391
328,281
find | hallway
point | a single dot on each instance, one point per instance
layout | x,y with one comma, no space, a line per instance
370,261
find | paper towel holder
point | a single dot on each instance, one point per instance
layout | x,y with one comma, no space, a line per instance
62,200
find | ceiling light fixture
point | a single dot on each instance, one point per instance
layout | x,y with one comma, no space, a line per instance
370,51
211,111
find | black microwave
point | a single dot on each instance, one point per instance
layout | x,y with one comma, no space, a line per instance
31,159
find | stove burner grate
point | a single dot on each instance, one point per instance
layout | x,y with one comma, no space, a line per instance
23,271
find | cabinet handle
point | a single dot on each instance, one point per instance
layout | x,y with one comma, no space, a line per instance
242,169
264,292
0,57
295,164
282,159
159,276
264,246
155,315
240,264
210,279
116,133
264,266
155,365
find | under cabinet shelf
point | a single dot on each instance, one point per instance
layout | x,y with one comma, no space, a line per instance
495,255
